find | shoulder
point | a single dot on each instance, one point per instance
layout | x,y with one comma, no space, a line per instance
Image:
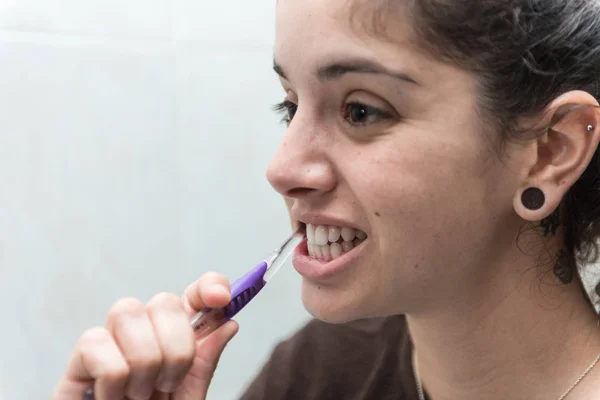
323,359
325,340
317,334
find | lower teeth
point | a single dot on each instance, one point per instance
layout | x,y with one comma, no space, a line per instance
331,251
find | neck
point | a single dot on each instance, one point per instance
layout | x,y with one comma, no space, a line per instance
526,336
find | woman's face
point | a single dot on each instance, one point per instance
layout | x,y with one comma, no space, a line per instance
385,140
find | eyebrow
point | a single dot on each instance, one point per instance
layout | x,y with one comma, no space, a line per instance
361,66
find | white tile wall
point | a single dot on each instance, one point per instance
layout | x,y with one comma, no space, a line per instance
247,23
119,18
134,140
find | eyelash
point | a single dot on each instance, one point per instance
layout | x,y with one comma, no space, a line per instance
285,108
288,109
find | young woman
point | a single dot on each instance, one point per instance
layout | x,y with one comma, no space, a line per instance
443,157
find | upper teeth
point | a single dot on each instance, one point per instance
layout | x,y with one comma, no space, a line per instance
321,234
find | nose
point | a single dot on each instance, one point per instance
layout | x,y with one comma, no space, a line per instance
300,167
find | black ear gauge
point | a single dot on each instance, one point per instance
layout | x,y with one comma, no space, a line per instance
533,198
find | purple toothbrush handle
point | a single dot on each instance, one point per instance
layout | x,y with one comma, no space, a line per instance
243,290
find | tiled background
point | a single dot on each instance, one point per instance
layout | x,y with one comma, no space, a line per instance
134,136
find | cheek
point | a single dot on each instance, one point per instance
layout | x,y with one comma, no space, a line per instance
423,195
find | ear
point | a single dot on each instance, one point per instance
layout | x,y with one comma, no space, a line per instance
562,153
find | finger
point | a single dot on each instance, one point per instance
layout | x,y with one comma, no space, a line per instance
96,361
175,337
133,332
211,290
208,353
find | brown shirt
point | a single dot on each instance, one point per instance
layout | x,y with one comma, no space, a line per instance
361,360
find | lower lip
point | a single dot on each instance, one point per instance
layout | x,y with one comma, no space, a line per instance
314,269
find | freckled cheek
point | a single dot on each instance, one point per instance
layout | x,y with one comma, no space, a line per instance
417,196
414,224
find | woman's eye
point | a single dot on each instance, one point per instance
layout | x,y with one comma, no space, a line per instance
288,109
361,114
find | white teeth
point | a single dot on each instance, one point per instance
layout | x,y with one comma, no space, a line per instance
347,246
325,253
310,233
321,235
348,234
317,251
334,234
336,250
323,241
332,251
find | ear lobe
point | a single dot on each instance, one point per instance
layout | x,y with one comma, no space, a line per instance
535,203
563,154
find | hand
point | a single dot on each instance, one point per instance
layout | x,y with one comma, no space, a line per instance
149,350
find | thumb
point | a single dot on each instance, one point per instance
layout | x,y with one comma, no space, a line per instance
208,352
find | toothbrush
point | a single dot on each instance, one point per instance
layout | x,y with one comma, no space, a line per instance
245,288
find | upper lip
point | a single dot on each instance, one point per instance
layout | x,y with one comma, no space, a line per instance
320,219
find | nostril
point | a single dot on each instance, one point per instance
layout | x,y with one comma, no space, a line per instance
299,192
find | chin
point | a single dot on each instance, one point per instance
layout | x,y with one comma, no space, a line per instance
332,305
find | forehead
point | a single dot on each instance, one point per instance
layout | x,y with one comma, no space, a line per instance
380,18
313,33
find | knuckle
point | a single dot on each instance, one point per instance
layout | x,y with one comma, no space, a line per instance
164,300
213,277
126,306
182,356
93,347
93,337
146,362
117,373
179,360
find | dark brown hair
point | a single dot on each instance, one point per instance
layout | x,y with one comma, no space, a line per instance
525,53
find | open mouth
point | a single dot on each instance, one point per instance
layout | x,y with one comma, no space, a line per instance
326,243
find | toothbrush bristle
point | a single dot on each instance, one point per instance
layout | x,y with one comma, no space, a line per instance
301,228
